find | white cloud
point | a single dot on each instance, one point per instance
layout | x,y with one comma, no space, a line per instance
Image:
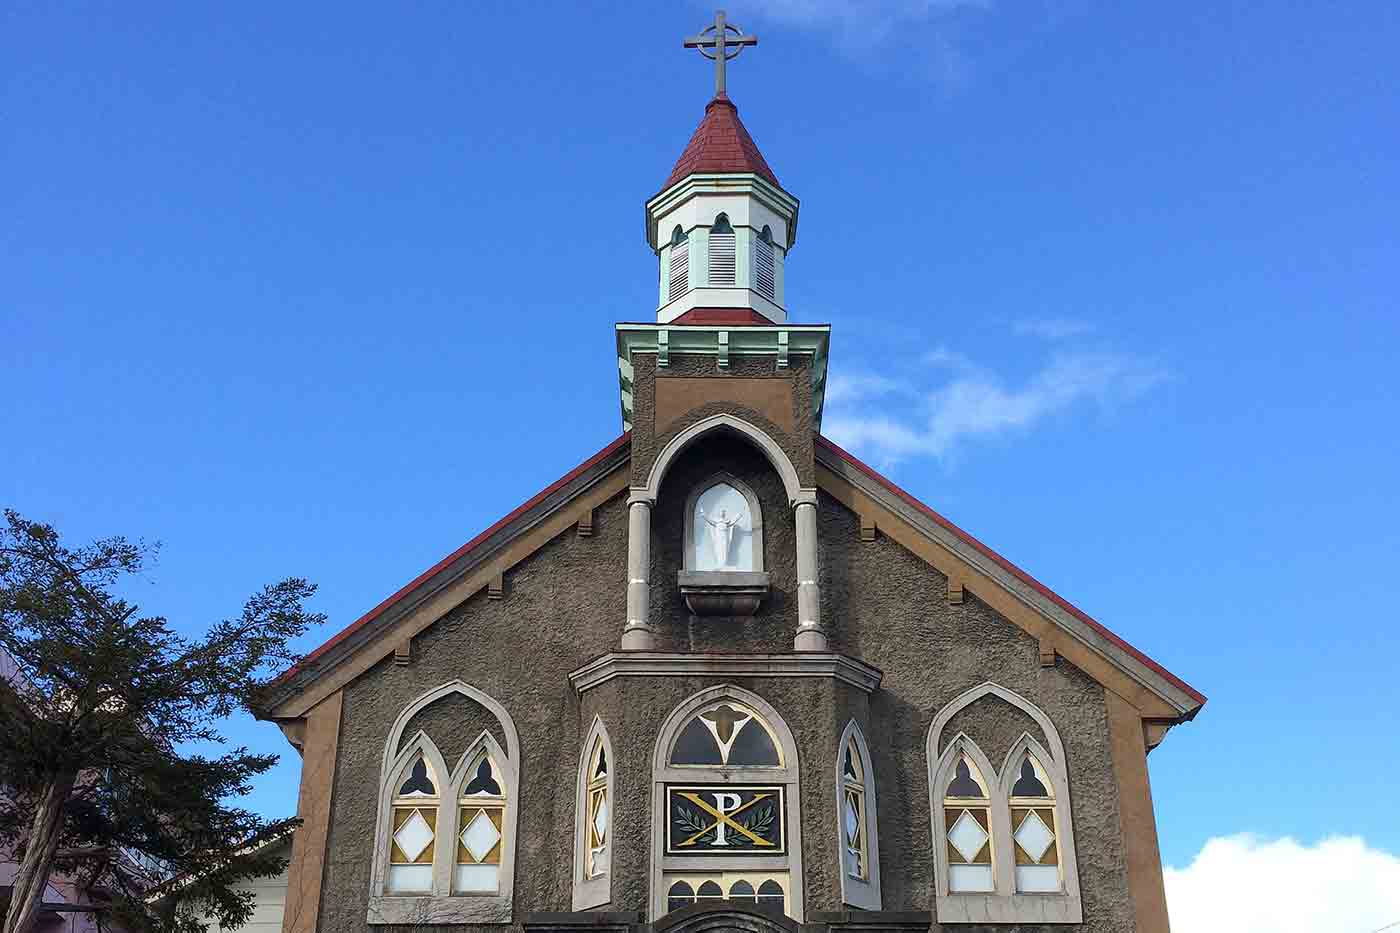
1055,328
977,404
843,388
1242,884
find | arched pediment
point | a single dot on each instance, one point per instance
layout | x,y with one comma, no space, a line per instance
725,918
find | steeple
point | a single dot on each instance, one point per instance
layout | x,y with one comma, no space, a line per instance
722,225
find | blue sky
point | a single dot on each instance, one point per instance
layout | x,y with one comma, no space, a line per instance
325,289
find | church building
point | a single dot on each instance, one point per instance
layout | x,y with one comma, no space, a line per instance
723,675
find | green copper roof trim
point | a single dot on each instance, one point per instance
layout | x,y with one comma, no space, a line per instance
809,340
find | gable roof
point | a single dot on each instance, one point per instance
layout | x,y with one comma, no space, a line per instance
720,146
600,477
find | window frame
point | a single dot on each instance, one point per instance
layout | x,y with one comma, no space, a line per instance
863,893
1004,904
594,891
786,774
441,904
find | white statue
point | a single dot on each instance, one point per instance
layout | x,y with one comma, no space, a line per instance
721,534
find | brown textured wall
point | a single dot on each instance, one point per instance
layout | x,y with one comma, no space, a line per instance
453,723
994,725
565,606
648,438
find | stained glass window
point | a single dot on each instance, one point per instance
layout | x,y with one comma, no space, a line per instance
1033,830
761,889
726,734
481,821
413,830
853,824
968,829
598,812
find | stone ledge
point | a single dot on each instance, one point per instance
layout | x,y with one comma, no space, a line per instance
840,667
591,921
723,592
873,920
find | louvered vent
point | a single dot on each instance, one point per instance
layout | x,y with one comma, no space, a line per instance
721,259
763,269
680,269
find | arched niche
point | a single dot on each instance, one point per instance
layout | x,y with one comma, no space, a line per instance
745,550
787,472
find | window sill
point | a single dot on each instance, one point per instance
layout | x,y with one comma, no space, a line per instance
432,909
723,592
1015,908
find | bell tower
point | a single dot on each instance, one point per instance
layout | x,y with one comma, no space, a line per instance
722,225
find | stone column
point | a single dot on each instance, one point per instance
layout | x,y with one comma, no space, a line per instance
810,634
636,634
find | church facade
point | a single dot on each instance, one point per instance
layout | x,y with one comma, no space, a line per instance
723,675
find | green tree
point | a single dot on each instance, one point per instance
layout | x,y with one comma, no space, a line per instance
96,734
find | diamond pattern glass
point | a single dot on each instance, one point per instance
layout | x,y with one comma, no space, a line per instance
1034,836
967,836
480,836
852,821
600,820
414,836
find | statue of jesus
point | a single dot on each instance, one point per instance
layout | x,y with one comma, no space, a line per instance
721,534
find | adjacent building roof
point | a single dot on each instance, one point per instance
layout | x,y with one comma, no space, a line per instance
720,146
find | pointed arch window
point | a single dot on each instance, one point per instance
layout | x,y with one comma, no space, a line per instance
857,822
763,264
680,264
1003,839
414,828
593,820
481,818
967,818
722,252
445,843
726,817
1033,828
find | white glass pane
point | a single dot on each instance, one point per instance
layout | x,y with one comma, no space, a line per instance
1038,878
476,878
967,836
600,820
414,835
722,531
480,836
410,878
969,878
1034,836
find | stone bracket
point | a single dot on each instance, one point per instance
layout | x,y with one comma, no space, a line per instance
496,587
663,347
724,349
585,524
1047,652
867,528
403,652
955,591
723,592
782,349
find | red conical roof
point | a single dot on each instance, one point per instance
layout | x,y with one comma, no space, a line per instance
720,145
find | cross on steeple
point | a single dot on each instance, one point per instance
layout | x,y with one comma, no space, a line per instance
722,41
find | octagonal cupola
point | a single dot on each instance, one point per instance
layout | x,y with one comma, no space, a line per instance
721,228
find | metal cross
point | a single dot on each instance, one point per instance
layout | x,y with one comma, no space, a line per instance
720,42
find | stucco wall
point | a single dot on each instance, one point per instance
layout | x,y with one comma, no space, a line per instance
565,606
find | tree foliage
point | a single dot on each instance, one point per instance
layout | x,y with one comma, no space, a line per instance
98,782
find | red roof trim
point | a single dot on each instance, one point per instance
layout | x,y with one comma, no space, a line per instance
723,316
1012,568
454,556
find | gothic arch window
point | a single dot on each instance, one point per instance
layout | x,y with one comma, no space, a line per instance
445,842
722,252
726,819
763,265
593,809
1003,839
857,821
679,264
723,526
